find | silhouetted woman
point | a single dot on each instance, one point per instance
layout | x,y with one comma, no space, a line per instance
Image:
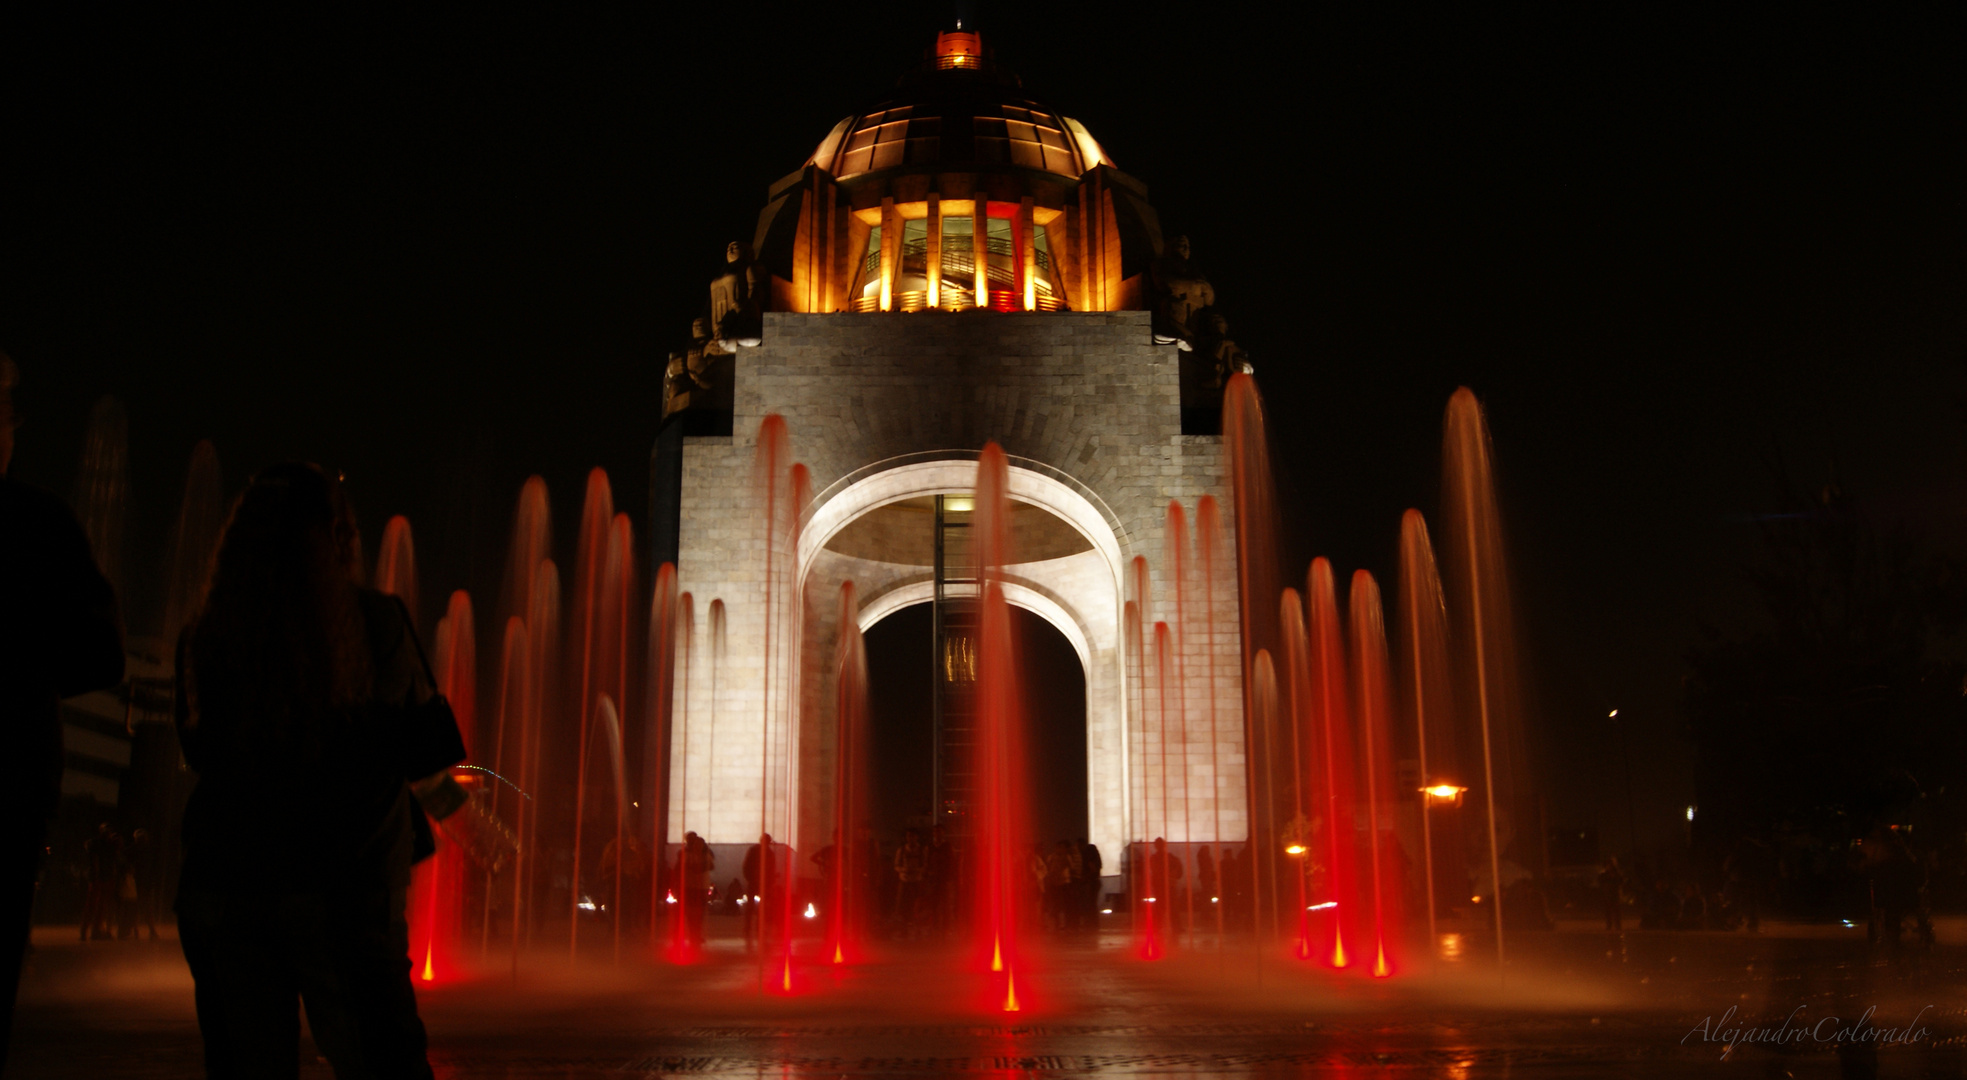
308,712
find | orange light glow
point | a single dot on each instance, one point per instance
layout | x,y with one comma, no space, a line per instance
1294,849
1011,994
429,972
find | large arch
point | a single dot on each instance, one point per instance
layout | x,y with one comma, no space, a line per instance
1081,596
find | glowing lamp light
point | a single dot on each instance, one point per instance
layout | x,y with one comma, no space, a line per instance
1324,906
812,912
1106,911
1690,813
961,504
1294,849
1214,900
669,898
742,900
586,905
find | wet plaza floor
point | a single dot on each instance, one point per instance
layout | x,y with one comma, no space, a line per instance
1576,1002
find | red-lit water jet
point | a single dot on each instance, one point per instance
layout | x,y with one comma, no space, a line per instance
1372,700
436,905
1001,837
590,589
1331,772
1426,682
850,720
1480,608
396,564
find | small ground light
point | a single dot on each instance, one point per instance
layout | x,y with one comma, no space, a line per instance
1294,849
669,898
812,912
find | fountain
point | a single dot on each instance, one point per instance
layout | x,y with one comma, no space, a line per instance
396,564
437,883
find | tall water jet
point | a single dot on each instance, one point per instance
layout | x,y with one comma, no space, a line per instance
1246,444
850,726
529,602
1265,711
1480,605
615,628
1140,882
1000,738
530,542
1426,682
1162,893
1175,544
1208,548
1373,705
102,487
396,564
1298,715
1332,771
607,725
719,645
515,691
800,480
201,514
664,629
590,588
771,483
437,886
543,657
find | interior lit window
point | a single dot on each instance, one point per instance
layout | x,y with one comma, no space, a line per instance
1003,267
1045,273
912,276
867,281
959,278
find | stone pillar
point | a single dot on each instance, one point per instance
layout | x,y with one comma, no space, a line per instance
935,228
891,243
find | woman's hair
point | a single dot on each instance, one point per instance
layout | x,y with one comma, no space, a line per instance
280,646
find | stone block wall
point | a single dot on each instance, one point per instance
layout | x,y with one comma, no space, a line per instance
1085,399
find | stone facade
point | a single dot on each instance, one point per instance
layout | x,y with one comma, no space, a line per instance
883,407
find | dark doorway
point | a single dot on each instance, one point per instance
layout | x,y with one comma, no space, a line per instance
902,751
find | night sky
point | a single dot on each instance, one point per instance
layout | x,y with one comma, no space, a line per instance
1673,258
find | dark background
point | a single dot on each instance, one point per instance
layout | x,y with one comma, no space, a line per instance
1675,254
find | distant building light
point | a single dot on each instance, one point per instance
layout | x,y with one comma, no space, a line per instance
812,912
1690,813
1294,849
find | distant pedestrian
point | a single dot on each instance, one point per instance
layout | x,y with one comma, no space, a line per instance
911,872
1611,894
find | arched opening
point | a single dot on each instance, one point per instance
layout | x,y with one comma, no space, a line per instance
901,742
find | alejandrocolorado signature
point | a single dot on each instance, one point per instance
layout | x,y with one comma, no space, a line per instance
1731,1032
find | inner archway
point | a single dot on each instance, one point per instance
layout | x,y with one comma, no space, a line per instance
901,743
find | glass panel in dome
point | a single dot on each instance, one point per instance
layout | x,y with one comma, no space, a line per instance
1003,256
1045,272
959,254
867,276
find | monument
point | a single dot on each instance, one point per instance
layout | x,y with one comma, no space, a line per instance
954,264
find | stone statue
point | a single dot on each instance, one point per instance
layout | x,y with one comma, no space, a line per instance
676,385
1180,291
1213,342
738,296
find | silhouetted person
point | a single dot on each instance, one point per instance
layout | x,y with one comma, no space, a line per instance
941,881
102,857
694,865
1090,866
911,874
1611,889
59,636
761,879
307,710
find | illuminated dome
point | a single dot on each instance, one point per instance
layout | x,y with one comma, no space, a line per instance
958,110
956,191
